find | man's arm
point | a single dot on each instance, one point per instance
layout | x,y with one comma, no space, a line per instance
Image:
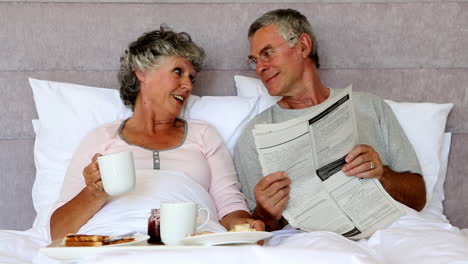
266,196
406,187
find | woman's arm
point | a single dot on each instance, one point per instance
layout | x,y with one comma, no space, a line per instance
71,216
224,186
79,197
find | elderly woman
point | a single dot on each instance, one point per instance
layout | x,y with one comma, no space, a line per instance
156,75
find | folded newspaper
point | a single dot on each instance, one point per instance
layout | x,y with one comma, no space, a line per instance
311,149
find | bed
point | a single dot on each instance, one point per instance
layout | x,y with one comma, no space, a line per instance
58,81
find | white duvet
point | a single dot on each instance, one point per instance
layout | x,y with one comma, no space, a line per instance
414,238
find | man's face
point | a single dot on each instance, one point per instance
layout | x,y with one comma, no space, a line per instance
282,70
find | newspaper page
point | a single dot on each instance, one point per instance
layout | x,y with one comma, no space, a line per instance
311,149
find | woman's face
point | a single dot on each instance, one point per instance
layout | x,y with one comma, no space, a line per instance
168,87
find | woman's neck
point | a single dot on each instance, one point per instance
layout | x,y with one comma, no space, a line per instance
150,122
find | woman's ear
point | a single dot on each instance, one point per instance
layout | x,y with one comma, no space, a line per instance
140,75
306,44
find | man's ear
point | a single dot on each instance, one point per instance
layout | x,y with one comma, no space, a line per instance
306,44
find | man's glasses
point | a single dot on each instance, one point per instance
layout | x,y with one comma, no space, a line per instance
266,55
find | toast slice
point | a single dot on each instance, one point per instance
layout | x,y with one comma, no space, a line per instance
78,240
84,243
85,238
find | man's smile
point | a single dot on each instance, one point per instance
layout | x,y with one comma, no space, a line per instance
271,78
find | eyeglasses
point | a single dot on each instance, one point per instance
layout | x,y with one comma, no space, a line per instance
266,54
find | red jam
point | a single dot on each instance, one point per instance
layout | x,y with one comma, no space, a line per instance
154,227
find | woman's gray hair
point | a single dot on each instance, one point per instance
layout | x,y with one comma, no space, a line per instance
291,24
146,54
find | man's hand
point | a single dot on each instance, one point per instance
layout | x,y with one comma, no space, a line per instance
363,162
406,187
272,196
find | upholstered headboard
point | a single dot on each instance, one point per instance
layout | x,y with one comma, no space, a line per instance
404,51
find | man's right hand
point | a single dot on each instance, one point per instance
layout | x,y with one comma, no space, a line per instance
272,196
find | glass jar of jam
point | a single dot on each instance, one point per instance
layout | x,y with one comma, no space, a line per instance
154,227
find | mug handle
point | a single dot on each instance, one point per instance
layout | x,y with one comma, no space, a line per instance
207,215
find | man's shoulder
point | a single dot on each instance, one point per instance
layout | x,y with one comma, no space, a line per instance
365,99
366,96
264,117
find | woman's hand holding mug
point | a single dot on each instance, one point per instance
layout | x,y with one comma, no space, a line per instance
113,174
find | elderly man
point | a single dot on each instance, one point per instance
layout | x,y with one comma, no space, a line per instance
283,51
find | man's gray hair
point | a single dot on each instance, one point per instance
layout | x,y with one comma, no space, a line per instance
146,54
290,24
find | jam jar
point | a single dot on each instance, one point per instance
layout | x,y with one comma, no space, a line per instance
154,227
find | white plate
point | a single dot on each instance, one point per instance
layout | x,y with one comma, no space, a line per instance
60,252
227,238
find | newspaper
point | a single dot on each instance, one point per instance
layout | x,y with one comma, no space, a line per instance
311,149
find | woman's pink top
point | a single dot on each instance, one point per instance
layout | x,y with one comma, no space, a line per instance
202,156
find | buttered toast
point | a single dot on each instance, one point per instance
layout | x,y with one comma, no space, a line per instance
78,240
85,238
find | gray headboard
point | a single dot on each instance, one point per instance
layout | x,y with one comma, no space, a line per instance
405,51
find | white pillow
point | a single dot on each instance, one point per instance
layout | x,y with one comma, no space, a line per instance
444,155
229,114
423,123
434,207
67,112
251,87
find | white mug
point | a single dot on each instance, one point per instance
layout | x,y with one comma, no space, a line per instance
117,172
179,220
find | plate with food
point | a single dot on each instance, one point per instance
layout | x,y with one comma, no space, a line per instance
241,234
78,240
74,246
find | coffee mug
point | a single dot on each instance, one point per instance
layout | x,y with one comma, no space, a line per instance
117,172
179,220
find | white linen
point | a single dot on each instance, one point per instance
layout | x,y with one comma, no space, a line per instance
130,212
20,246
414,238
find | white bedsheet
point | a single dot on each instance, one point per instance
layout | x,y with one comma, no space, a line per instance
414,238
